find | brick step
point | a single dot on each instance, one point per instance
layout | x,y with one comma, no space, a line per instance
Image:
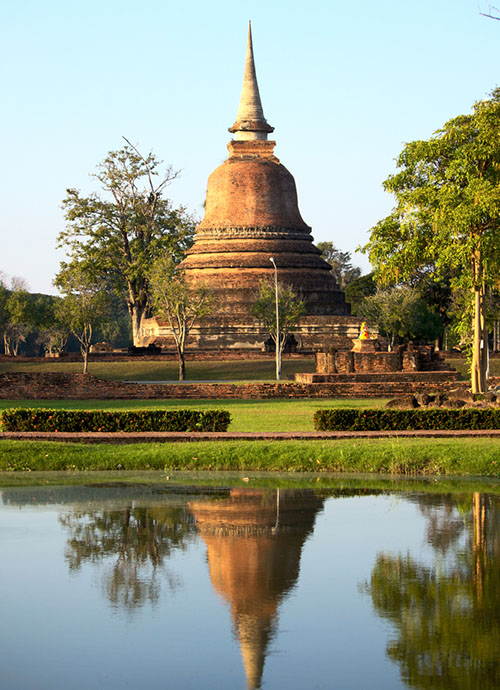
381,377
437,366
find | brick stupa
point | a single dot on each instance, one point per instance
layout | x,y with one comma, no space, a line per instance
252,214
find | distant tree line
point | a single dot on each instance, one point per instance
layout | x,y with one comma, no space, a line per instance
34,324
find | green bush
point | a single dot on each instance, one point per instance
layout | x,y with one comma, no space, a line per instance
398,420
17,419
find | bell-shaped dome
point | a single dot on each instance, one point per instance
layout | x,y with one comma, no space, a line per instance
252,192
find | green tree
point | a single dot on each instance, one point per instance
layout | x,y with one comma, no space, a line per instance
401,315
119,233
358,289
83,308
52,332
290,309
21,317
178,303
341,262
4,314
438,295
447,215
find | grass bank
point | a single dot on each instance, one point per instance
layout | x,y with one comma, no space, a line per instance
247,415
443,457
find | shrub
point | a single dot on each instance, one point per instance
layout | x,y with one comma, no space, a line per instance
398,420
17,419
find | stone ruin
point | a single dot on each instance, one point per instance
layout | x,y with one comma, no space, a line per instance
251,215
366,358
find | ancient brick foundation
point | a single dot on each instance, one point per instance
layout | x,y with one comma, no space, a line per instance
331,362
224,333
65,386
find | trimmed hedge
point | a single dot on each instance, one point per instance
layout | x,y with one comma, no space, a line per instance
398,420
16,419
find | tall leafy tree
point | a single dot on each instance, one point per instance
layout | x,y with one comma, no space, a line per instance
341,262
447,215
358,289
4,314
401,314
84,307
118,233
178,303
51,332
21,317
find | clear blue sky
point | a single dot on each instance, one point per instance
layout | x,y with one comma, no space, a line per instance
345,84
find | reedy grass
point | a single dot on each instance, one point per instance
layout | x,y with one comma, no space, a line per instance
153,479
412,457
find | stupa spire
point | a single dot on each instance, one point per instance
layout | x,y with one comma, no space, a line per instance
250,121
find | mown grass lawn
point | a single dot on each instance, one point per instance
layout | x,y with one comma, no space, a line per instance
247,415
411,457
466,457
137,370
225,370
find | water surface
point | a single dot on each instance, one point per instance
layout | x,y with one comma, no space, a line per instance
189,586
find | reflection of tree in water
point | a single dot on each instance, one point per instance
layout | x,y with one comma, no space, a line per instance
444,522
138,539
447,616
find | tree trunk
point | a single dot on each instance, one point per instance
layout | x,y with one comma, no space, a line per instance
475,368
136,314
85,355
182,365
179,345
484,343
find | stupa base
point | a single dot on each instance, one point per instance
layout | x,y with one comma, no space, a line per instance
313,332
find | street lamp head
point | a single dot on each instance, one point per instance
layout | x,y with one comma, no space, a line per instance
271,259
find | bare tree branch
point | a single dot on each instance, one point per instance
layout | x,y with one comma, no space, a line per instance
490,16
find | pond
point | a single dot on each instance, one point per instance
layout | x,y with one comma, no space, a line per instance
184,586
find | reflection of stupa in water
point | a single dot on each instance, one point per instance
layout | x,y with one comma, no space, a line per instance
254,540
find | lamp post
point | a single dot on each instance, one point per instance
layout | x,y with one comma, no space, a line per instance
278,358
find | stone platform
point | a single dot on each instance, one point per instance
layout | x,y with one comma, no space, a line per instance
67,386
245,333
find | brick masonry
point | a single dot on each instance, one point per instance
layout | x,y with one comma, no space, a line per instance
332,361
66,386
251,215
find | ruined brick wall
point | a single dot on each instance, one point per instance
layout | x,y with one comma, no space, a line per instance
65,386
334,362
